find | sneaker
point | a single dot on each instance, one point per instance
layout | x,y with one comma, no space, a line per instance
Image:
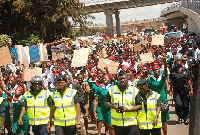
179,121
186,122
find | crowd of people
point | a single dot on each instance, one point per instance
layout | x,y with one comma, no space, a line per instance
133,101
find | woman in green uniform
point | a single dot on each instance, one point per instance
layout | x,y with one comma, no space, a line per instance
7,117
93,83
18,100
100,110
157,84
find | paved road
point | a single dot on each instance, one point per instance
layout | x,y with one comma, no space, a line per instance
173,128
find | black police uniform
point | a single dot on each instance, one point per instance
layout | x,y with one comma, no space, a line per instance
181,91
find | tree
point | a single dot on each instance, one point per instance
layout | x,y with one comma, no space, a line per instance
5,40
47,18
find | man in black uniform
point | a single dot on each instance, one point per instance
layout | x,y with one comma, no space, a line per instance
180,84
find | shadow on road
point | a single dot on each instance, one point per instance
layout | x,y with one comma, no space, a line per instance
171,122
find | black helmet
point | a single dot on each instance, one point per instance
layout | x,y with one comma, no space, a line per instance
36,79
179,56
38,64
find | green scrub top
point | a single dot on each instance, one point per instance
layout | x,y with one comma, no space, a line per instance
101,93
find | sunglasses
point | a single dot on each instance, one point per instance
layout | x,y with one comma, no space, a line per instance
140,86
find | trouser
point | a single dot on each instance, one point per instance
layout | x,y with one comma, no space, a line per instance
39,129
128,130
154,131
62,130
182,105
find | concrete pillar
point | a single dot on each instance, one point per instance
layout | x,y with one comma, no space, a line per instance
117,23
180,26
192,26
109,22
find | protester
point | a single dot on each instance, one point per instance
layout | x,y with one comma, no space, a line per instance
157,84
86,89
180,84
100,110
17,100
123,61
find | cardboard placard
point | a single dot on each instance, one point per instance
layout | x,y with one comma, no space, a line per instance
158,39
23,55
56,56
28,73
80,57
5,57
103,53
167,41
112,66
137,47
143,42
146,58
42,52
135,37
130,45
44,63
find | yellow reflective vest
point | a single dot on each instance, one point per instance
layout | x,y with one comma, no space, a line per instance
126,99
38,110
65,113
145,119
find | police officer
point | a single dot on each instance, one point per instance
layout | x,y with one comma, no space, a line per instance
66,108
124,106
38,102
181,86
149,117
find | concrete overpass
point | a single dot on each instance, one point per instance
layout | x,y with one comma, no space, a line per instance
101,6
135,26
110,7
186,12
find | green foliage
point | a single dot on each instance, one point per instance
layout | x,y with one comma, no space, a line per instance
87,32
32,40
5,40
49,19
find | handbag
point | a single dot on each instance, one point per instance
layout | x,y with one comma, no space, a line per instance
164,107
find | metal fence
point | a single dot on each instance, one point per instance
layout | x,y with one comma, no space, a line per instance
191,4
173,6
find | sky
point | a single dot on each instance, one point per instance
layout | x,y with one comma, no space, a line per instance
131,14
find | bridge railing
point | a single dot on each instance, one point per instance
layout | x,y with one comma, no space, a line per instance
173,6
102,2
191,4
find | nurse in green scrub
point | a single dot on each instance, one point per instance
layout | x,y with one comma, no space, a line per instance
18,100
101,112
157,83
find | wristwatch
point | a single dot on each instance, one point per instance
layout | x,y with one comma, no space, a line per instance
78,123
2,128
157,116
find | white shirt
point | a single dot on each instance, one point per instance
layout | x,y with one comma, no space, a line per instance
93,47
196,54
12,90
125,64
105,87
